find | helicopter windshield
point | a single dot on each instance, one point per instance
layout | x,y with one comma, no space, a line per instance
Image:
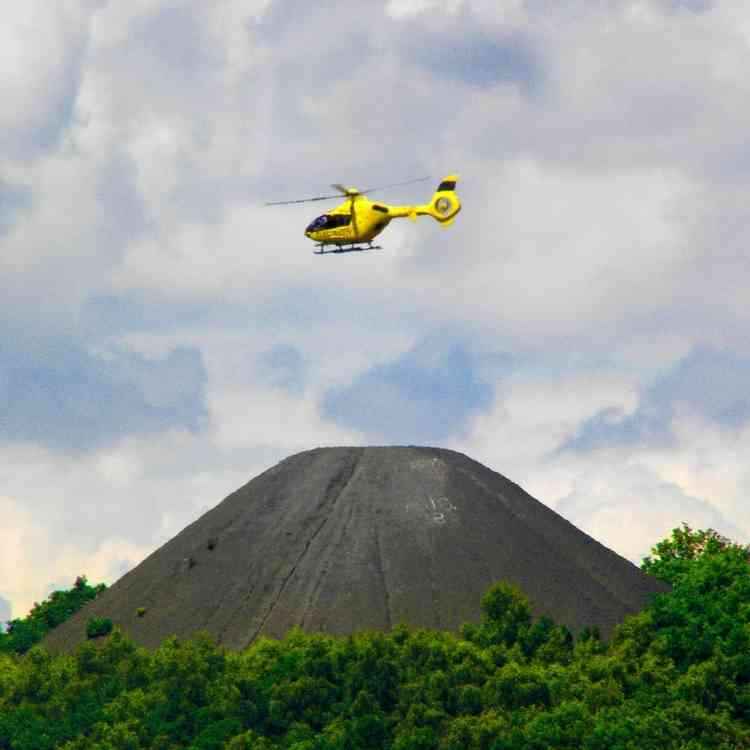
317,224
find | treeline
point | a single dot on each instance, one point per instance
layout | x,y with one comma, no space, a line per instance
23,633
676,676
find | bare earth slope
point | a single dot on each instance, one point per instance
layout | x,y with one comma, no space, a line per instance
345,539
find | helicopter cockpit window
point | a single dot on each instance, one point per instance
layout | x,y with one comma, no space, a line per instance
320,223
447,185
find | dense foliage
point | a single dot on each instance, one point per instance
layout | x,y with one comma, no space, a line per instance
676,676
23,633
98,626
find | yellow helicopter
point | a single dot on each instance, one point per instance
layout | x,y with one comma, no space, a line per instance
359,220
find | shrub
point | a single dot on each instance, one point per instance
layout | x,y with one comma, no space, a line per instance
98,626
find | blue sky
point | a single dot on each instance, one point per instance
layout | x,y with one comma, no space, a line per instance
582,328
426,396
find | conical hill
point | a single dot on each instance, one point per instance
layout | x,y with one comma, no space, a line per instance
344,539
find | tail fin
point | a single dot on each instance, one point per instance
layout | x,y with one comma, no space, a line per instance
445,203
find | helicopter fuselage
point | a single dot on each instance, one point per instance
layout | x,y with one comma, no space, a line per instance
357,220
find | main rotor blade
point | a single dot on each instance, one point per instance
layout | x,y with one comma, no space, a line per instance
303,200
346,191
395,184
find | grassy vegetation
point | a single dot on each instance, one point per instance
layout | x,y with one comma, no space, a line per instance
676,676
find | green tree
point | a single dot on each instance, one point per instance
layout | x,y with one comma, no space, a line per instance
98,626
23,633
217,734
417,738
506,619
515,686
671,558
564,727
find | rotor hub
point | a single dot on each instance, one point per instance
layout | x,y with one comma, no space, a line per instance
443,205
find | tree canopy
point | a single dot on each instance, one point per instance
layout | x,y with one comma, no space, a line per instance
23,633
673,677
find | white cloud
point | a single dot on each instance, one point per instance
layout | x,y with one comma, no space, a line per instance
630,509
562,254
32,556
400,9
709,462
41,50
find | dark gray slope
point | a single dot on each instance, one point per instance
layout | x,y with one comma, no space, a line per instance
344,539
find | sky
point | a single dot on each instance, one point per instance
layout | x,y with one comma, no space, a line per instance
582,328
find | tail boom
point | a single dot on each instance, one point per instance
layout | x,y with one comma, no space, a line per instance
443,207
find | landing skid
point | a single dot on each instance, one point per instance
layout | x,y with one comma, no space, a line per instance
321,248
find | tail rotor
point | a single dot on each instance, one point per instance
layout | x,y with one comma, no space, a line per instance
445,203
